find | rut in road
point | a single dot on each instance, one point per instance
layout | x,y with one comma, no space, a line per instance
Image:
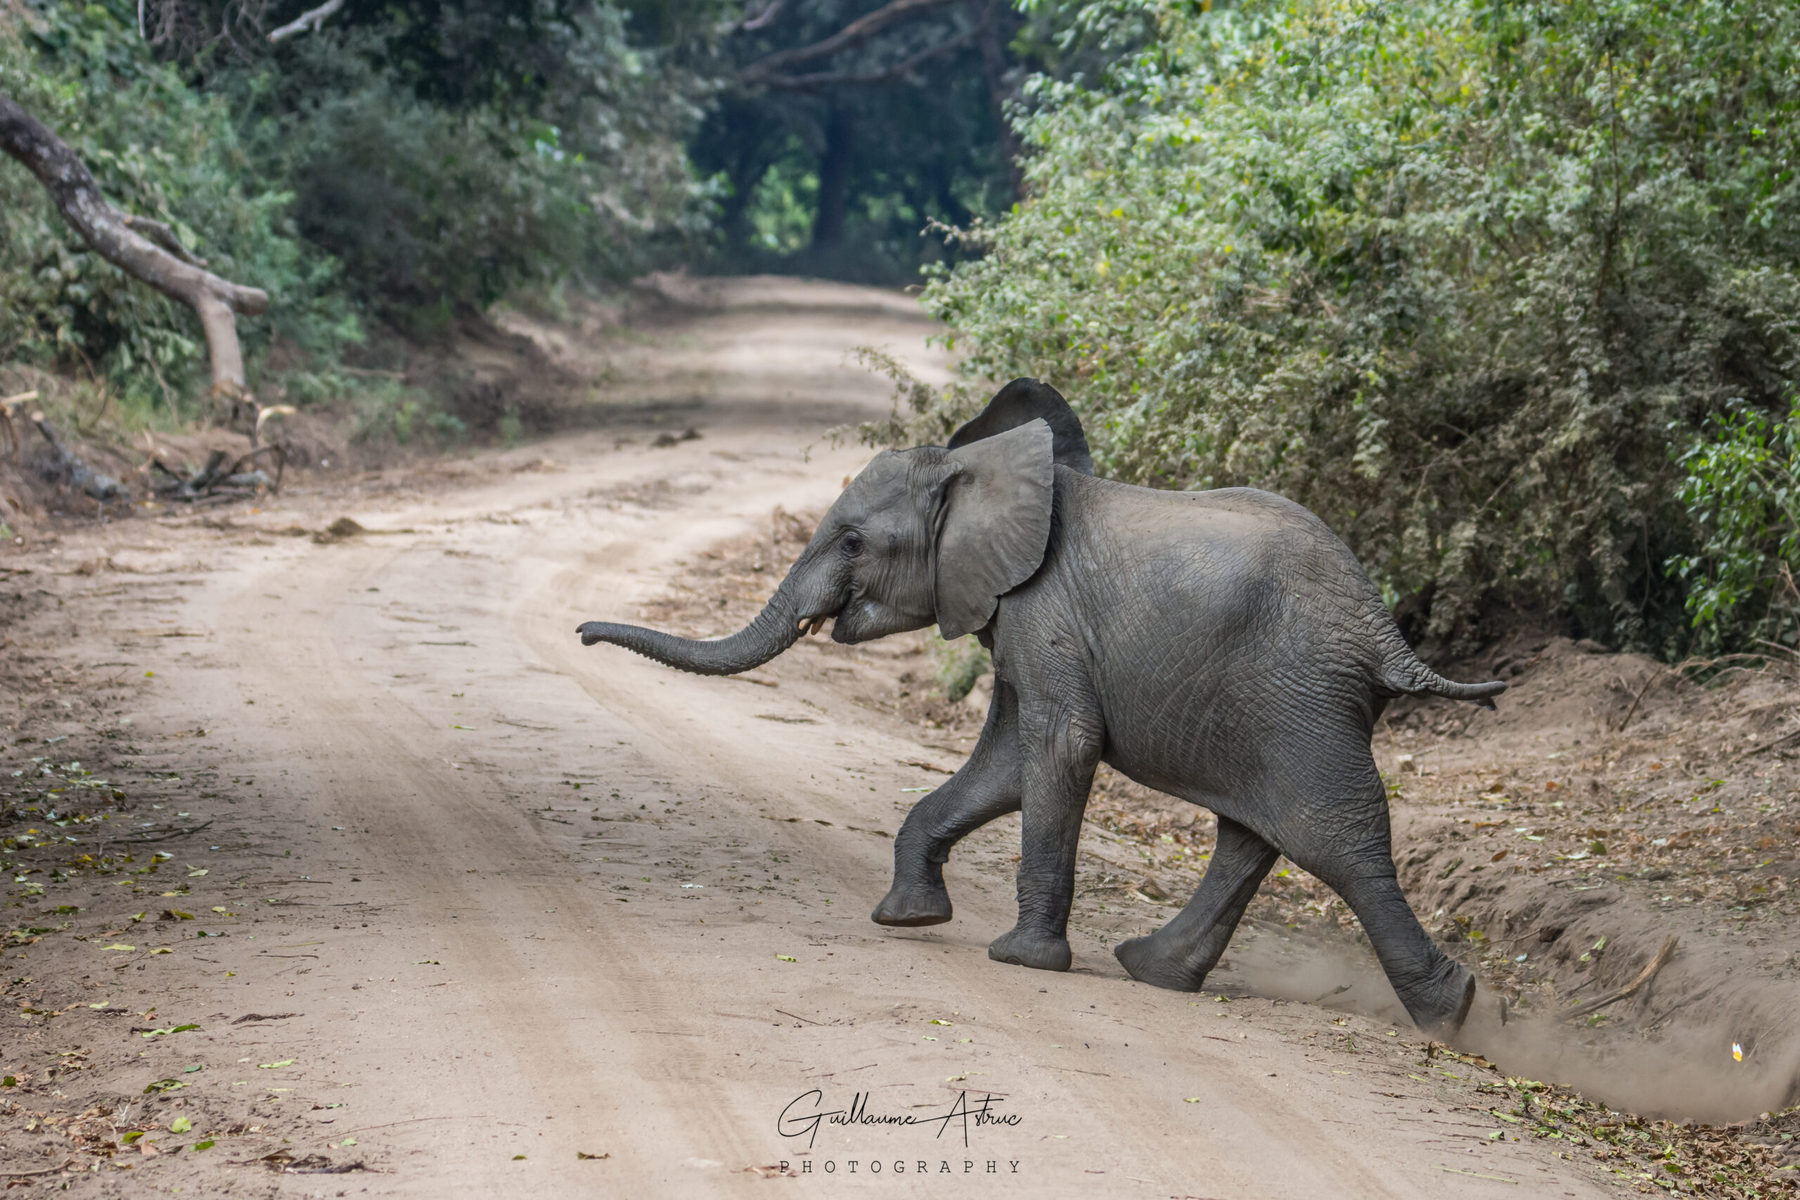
652,966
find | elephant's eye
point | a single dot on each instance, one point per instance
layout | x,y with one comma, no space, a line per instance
852,544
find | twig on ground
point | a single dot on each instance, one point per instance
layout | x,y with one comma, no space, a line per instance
1638,699
1786,737
12,1174
163,837
1643,977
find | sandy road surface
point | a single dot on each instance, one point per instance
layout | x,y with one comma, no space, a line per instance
491,962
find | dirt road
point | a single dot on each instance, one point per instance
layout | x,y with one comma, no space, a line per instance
556,921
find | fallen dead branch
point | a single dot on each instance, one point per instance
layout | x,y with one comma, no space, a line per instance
223,474
1655,677
1631,989
163,837
10,441
67,467
1770,745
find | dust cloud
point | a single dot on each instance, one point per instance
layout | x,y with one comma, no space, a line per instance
1683,1070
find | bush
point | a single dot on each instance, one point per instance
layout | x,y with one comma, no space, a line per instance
410,162
958,665
1452,273
1741,485
436,208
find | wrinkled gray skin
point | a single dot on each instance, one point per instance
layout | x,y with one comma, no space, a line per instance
1221,646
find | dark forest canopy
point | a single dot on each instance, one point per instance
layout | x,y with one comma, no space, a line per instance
1504,289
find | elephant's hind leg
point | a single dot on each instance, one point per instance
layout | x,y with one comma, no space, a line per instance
986,787
1179,955
1354,856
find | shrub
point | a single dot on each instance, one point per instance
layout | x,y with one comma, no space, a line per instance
436,208
1741,485
1452,273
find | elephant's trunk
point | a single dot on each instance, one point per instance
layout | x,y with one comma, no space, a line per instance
774,629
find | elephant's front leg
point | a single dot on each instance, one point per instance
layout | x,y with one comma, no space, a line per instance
986,787
1180,954
1060,746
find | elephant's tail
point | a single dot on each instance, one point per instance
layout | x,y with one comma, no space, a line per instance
1402,671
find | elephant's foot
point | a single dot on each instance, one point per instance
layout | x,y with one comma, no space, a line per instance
1147,962
1444,1003
1031,948
913,904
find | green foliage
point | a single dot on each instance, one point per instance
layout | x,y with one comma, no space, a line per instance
839,176
959,665
783,203
440,196
159,150
1452,273
1741,485
411,161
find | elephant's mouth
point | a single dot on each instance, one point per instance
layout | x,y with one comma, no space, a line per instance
811,625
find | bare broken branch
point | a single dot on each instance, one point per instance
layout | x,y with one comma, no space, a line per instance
307,22
855,33
764,18
826,79
1643,977
66,466
118,239
163,236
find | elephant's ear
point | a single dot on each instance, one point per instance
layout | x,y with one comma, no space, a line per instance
1025,400
994,523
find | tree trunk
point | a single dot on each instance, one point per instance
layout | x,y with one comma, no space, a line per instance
158,259
834,181
993,68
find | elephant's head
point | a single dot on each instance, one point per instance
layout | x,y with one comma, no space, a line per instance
933,534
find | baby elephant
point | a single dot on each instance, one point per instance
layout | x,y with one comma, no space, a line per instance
1221,646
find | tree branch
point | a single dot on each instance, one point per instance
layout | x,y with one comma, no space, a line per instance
162,235
764,18
114,236
855,33
826,79
307,22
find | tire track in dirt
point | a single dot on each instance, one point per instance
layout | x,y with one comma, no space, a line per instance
422,712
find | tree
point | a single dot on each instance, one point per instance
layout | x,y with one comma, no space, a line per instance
845,127
145,248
